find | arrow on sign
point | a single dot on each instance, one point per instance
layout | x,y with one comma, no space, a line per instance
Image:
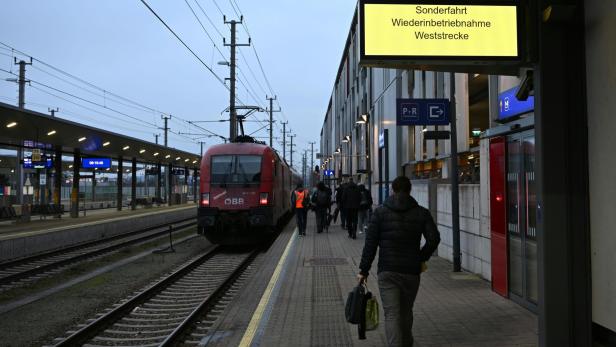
436,111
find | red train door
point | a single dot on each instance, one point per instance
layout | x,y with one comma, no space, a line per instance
498,214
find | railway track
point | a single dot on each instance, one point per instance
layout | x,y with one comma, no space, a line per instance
179,308
26,270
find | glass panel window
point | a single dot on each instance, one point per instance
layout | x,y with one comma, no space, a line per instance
221,168
236,169
248,169
516,269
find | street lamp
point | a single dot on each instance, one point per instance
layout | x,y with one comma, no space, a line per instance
363,119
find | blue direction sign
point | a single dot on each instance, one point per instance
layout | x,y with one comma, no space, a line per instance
422,112
328,173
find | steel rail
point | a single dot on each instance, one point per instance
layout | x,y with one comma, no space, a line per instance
209,301
89,331
54,265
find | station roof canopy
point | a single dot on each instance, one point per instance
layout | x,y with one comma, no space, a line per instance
38,130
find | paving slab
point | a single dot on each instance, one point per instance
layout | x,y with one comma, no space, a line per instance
306,307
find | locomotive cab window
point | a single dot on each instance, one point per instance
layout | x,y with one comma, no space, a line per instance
235,169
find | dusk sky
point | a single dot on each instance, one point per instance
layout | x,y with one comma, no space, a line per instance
122,48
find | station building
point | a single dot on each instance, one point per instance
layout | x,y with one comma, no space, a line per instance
496,141
50,165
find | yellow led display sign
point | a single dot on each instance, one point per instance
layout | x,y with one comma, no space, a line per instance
427,30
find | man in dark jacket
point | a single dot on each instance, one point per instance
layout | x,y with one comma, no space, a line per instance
351,198
396,229
321,200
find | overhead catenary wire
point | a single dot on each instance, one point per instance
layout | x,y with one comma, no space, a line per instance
208,18
107,95
139,125
269,85
252,72
244,80
83,99
234,9
184,44
205,30
218,7
250,90
88,108
104,96
96,111
106,92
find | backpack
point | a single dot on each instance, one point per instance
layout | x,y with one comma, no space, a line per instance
306,199
322,199
364,202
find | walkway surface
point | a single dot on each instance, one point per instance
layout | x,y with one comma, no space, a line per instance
452,309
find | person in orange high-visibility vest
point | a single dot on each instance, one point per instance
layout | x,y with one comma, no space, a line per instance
299,205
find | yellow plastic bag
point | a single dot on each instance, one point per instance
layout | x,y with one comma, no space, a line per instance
372,313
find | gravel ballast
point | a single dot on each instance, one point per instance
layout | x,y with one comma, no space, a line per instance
37,323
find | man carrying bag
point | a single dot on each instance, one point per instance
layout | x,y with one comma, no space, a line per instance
396,229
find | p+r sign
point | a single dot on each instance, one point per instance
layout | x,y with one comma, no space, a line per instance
422,111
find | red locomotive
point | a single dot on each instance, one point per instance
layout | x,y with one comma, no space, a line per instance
245,192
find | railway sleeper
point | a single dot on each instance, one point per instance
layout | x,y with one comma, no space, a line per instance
178,300
139,332
150,321
160,310
128,340
123,344
171,304
145,326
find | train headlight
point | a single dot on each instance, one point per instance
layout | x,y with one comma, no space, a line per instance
205,199
263,199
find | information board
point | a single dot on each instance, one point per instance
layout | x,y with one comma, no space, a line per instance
440,29
44,163
95,163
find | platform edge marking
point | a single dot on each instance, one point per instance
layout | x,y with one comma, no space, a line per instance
255,321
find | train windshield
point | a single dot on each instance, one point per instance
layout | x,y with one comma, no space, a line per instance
235,169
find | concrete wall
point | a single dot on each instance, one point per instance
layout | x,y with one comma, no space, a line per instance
474,238
421,193
57,238
601,86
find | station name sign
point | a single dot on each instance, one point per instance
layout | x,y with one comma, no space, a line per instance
440,30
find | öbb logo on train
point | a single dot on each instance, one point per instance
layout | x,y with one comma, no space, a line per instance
234,201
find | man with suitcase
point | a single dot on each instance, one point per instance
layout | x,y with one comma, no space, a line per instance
396,229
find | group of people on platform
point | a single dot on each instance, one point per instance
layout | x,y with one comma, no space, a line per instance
353,205
395,229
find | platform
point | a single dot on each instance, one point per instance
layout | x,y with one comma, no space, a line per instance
305,306
40,235
10,229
